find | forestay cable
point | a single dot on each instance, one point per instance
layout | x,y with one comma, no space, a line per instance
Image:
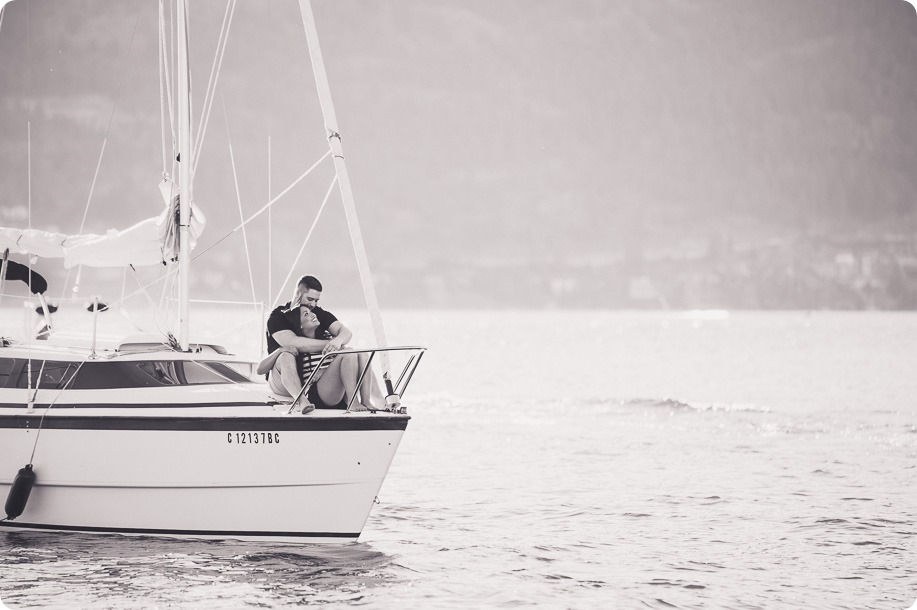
265,206
111,117
165,93
212,84
235,179
304,242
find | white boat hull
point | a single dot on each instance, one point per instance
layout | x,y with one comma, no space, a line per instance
276,478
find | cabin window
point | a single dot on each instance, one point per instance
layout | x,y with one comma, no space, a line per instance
153,373
212,372
46,374
245,369
108,375
163,373
6,369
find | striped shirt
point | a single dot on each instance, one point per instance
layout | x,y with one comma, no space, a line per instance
306,363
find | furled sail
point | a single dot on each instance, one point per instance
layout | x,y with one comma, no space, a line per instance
150,242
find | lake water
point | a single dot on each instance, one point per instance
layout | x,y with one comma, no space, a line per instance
587,459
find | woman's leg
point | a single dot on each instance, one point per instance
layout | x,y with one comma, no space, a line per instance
370,394
285,370
331,386
340,379
286,373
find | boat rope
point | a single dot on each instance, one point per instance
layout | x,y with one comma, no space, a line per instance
264,207
165,93
228,330
304,242
235,179
173,31
170,277
212,83
111,117
170,274
45,412
3,267
270,166
29,257
270,223
34,393
157,311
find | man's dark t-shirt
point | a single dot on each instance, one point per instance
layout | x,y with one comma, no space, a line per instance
283,318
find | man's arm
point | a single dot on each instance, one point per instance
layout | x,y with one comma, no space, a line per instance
303,344
341,337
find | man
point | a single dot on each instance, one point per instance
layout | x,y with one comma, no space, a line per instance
301,327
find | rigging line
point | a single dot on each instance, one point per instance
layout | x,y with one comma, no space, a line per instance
111,118
231,328
167,79
164,275
270,125
211,90
213,245
80,319
146,294
264,207
42,420
270,222
173,31
28,56
124,68
92,189
41,371
168,294
162,88
29,257
305,241
235,179
3,266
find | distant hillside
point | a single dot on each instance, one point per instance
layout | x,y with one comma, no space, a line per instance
479,131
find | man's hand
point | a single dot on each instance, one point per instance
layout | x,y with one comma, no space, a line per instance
335,344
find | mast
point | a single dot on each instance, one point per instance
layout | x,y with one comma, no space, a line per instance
184,174
337,152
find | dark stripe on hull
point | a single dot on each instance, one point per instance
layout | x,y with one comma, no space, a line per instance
121,405
164,532
292,423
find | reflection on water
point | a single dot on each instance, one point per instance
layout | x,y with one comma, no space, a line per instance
68,570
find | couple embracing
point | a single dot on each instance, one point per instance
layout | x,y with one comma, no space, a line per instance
298,335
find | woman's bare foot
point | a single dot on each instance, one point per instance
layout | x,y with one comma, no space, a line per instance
303,405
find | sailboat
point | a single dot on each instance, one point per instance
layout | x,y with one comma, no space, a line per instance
164,436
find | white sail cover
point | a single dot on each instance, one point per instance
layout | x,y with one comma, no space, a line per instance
153,241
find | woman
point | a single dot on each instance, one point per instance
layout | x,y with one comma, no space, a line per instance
333,385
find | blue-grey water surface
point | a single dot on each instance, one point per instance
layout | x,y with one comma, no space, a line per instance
586,459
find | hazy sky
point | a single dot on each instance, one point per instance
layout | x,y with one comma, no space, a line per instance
477,131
